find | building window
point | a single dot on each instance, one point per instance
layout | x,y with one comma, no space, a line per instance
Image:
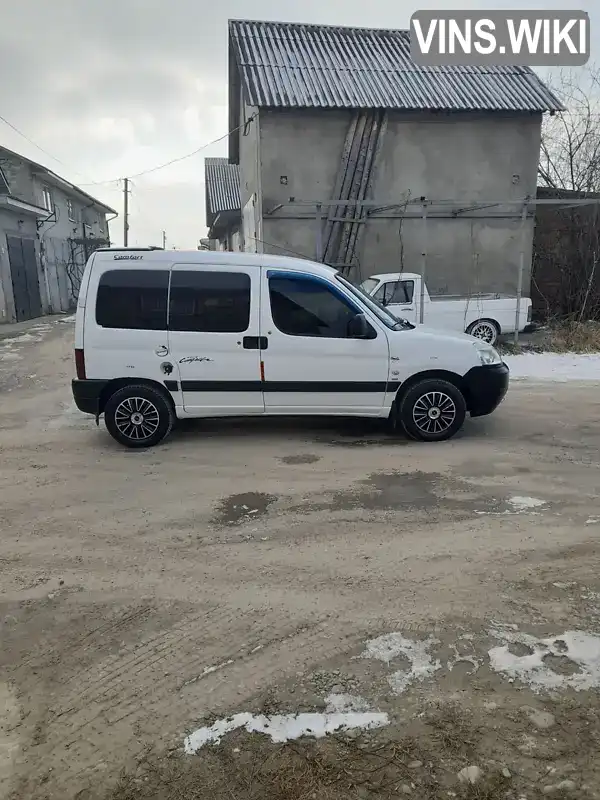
304,307
4,187
47,199
212,302
71,210
133,299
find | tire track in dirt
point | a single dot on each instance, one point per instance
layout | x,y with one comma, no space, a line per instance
141,706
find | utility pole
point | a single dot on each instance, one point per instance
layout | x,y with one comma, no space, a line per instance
125,211
164,240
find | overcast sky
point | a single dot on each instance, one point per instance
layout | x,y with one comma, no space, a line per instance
115,87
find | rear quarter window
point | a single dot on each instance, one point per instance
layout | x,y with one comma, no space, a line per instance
133,299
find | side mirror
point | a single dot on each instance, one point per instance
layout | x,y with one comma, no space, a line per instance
359,328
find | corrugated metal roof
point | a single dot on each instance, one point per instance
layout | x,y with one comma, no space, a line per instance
222,181
288,65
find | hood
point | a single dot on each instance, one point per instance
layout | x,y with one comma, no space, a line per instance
438,333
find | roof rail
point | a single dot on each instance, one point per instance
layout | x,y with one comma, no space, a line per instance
126,249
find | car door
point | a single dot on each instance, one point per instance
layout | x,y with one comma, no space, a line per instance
399,298
125,328
310,363
214,338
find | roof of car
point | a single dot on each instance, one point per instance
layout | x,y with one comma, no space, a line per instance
154,257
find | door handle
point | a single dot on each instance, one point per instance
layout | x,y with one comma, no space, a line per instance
162,351
255,342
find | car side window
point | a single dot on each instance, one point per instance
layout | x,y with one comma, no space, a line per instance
134,299
211,302
395,292
305,307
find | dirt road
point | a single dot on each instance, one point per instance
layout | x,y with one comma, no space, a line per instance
242,566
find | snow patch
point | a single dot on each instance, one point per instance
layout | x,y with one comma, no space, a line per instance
21,338
582,648
340,703
284,727
391,645
525,503
464,658
560,367
208,671
8,356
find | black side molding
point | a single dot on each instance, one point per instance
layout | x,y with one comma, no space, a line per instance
288,386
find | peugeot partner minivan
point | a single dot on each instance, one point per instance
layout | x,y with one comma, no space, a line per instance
164,335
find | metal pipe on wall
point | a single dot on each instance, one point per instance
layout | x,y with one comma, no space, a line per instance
521,271
319,232
423,264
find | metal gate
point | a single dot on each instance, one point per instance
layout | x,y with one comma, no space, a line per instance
24,275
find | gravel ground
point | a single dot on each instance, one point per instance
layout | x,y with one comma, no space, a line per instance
245,566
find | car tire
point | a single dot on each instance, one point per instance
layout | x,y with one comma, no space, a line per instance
138,416
485,329
432,410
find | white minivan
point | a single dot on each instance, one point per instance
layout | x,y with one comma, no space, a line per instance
162,335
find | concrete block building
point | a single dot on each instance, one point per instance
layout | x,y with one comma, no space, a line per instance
48,228
342,118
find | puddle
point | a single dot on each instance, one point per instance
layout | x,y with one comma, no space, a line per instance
239,508
417,491
307,458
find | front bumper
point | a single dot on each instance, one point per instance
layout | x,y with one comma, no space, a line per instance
485,388
87,395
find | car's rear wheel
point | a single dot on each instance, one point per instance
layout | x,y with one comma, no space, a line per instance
432,410
485,329
138,416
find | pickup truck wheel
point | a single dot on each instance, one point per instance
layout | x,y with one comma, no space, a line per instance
485,329
432,410
138,416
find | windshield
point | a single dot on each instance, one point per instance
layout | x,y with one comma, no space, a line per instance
389,320
368,285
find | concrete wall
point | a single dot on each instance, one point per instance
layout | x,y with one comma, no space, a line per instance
18,175
63,260
466,158
60,263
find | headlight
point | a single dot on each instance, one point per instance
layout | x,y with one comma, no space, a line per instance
488,356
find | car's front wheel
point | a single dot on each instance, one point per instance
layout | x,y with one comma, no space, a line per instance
138,416
432,410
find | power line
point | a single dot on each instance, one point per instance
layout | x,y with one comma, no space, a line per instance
179,158
138,174
41,149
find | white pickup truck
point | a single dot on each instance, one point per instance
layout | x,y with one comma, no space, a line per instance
484,316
